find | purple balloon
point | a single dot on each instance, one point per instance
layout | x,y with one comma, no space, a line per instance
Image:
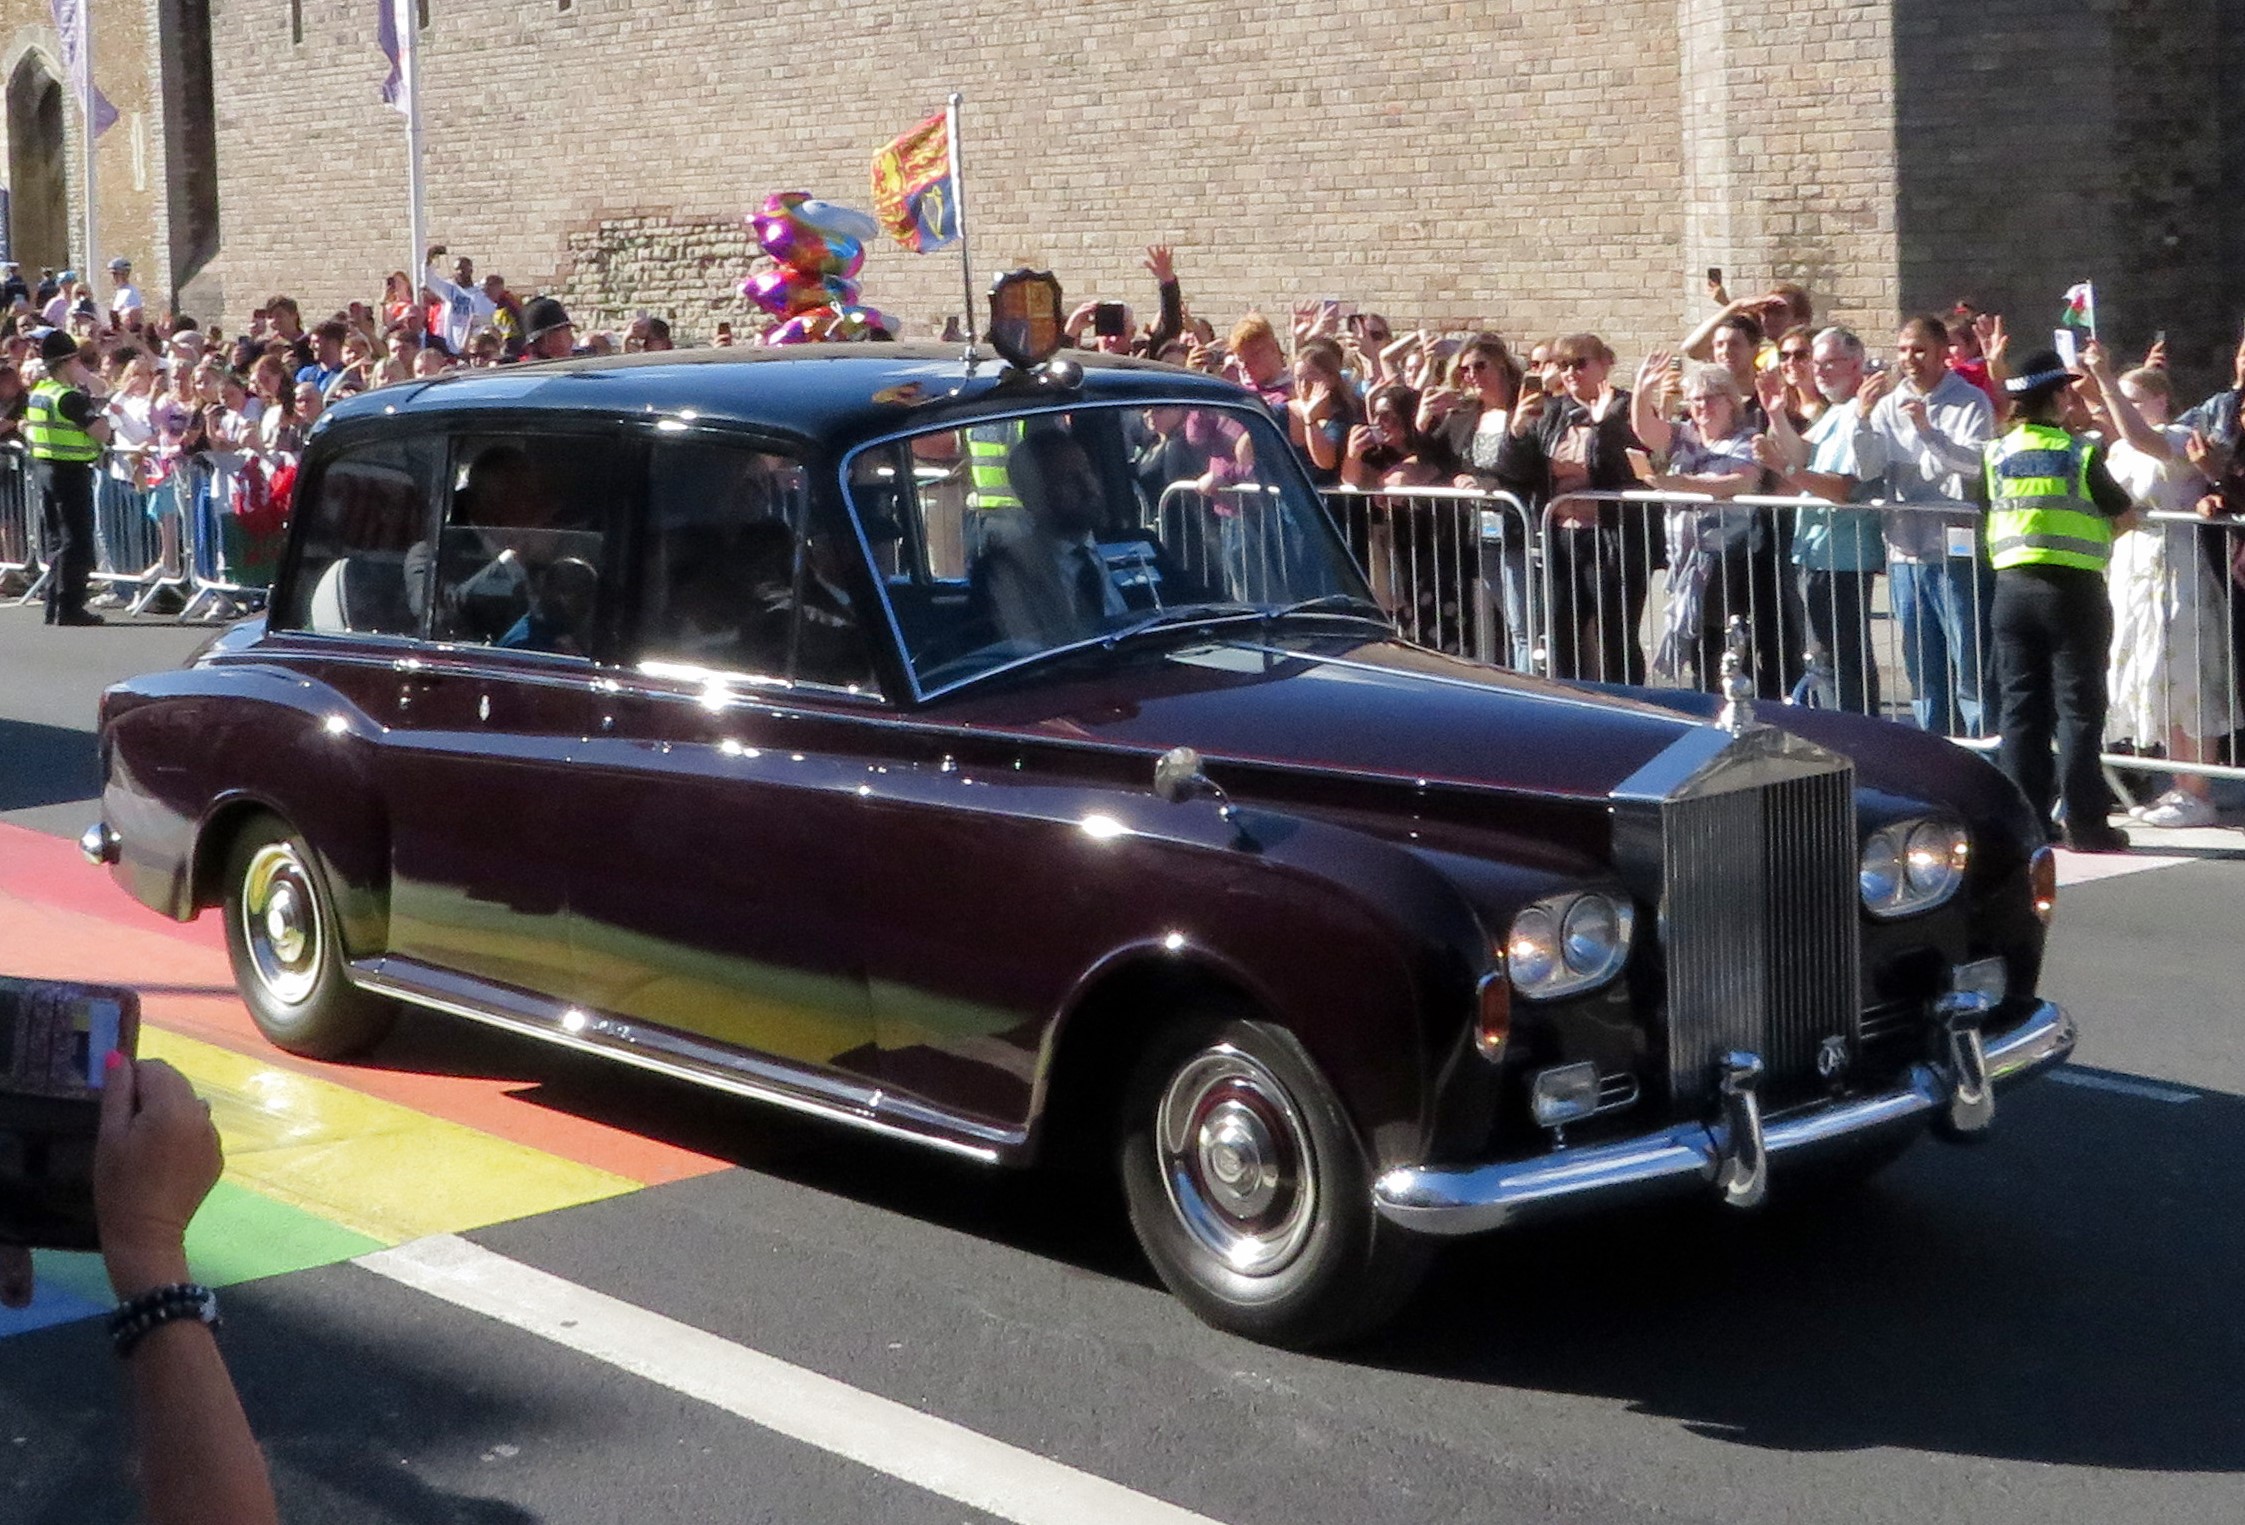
784,291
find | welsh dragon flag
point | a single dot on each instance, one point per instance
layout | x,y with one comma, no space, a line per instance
2081,307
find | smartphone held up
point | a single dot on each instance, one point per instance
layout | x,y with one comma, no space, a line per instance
55,1045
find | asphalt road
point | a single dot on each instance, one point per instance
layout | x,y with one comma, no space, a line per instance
2047,1328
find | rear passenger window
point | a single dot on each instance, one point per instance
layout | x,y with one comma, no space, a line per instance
742,574
355,572
524,549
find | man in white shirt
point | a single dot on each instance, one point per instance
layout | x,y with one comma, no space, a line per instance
467,311
125,305
1920,430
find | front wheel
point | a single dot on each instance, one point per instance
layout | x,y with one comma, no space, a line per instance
288,958
1249,1191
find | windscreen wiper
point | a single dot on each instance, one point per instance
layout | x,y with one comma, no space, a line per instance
1179,614
1351,604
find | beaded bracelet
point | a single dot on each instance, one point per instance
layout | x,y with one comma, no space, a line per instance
133,1321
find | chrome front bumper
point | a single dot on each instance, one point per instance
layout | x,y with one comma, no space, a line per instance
1715,1157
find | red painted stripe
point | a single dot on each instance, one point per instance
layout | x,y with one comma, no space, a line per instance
35,866
498,1085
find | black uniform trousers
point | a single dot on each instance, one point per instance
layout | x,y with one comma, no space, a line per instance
66,509
2053,637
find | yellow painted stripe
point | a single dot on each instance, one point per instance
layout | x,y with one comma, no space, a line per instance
369,1165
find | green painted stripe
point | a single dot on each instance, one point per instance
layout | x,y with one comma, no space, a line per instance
238,1236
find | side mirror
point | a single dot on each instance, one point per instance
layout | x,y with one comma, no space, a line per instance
1178,776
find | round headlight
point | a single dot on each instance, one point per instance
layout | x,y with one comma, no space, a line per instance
1913,866
1935,856
1882,870
1590,934
1564,944
1532,951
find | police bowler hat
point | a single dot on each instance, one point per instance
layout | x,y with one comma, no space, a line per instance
55,346
542,315
2040,373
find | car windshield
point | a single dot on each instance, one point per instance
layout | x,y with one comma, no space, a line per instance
1003,541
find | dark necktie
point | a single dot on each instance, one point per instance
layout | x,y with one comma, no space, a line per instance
1091,583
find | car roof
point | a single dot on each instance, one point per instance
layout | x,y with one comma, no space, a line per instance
830,394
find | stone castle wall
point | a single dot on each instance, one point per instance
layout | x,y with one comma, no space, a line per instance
1529,167
129,164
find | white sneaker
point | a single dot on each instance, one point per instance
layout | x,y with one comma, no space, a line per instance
2179,809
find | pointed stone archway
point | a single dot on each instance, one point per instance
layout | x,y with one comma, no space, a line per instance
38,197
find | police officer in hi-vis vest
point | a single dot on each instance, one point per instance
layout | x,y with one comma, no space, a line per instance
65,431
2051,504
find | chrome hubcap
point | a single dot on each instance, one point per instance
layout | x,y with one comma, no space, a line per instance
1236,1161
281,923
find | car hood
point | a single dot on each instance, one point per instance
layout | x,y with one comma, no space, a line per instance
1373,708
1378,708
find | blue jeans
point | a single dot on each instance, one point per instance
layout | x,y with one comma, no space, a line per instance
1942,608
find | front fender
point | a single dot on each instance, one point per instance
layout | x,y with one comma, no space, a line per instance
1368,951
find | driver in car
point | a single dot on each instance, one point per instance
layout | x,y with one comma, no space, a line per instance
524,595
1040,580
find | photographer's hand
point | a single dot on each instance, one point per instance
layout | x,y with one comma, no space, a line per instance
155,1160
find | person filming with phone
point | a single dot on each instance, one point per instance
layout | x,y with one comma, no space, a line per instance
156,1157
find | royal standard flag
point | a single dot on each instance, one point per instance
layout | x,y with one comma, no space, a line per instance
913,195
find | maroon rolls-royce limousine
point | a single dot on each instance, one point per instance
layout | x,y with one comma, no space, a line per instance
1009,759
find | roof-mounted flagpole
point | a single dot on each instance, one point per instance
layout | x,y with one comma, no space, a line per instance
959,215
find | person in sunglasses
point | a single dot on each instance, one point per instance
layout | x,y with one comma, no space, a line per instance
1599,555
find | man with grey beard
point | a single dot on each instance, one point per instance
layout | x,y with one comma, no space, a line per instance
1839,550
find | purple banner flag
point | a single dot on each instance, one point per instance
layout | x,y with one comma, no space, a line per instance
386,32
70,26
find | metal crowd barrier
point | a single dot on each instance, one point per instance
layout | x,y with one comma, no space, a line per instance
1450,564
174,538
1640,588
2174,704
220,582
22,558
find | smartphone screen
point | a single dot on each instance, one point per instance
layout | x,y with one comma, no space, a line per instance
1107,320
55,1043
1640,463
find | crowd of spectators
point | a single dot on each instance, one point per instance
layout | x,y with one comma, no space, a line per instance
1756,400
1759,401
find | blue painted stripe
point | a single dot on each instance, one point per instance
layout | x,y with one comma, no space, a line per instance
50,1306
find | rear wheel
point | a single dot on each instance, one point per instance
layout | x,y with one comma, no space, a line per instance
1250,1193
288,960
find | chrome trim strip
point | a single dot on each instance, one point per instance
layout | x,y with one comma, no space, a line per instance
703,1066
1472,1199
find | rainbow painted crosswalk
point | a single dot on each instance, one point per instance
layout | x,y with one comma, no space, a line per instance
324,1162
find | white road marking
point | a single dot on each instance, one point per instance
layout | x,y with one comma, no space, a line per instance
2090,1080
917,1448
2088,868
2154,847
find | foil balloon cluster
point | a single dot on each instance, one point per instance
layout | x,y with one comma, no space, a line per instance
817,249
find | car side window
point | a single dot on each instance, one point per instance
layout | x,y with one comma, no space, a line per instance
520,562
362,514
740,573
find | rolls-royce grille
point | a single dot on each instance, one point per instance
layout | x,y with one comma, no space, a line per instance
1760,921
